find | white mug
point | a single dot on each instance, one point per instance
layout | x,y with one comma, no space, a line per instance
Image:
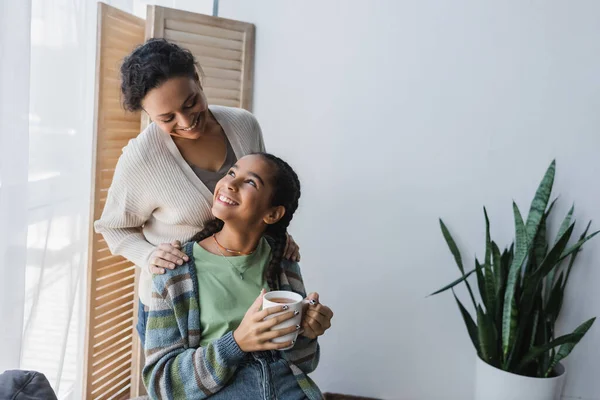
295,302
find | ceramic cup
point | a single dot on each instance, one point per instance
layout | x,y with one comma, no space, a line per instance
295,302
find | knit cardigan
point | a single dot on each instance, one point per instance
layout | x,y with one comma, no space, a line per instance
155,196
178,368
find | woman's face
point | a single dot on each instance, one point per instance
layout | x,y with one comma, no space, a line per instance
178,107
244,194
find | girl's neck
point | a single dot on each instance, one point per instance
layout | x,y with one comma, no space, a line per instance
243,241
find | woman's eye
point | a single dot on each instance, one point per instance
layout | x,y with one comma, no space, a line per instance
191,105
251,182
231,173
168,120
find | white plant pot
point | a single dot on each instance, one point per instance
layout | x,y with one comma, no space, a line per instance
495,384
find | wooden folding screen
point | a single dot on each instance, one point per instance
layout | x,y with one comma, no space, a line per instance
225,50
110,340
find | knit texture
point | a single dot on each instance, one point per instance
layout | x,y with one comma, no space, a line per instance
178,368
155,196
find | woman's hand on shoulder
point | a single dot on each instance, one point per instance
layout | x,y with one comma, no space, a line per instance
292,250
166,256
316,319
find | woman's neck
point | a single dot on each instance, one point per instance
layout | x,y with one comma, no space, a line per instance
242,241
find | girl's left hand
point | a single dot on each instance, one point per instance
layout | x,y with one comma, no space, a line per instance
292,250
316,319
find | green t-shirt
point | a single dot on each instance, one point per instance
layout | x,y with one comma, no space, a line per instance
224,296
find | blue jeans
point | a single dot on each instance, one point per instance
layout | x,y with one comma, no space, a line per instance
262,376
141,323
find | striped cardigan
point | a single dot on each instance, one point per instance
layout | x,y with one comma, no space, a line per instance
178,368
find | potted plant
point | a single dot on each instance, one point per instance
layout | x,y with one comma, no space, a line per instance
521,290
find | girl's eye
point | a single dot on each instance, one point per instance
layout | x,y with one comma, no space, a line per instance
251,182
231,173
168,120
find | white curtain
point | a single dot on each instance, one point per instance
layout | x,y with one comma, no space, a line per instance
47,80
14,137
46,124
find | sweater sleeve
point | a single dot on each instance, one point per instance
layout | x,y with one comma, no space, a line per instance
173,370
128,207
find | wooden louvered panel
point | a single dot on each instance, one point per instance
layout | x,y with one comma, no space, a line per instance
224,48
111,345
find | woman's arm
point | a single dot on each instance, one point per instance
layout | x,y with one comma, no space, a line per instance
127,209
173,370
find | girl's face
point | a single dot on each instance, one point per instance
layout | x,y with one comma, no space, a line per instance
178,107
244,194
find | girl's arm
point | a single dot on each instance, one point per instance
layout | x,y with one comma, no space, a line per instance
173,370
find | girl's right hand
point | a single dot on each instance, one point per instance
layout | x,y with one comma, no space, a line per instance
166,255
255,334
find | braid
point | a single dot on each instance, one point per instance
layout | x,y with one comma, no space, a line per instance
286,193
210,228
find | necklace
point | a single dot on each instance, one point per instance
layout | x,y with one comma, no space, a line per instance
237,253
241,273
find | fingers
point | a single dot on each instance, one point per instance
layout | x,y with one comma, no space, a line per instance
171,252
292,250
270,323
255,307
162,263
270,311
275,333
313,296
155,270
320,310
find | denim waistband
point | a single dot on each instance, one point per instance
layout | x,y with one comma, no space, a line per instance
268,356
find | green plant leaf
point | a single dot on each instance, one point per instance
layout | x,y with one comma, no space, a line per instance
565,224
576,252
500,272
454,283
555,299
471,327
563,227
540,202
481,283
566,348
576,246
488,338
488,240
457,257
553,257
539,350
509,314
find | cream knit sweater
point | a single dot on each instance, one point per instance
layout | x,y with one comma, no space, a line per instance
155,197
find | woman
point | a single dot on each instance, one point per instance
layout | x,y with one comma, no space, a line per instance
161,192
206,335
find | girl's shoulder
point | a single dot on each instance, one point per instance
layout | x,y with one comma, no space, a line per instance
177,281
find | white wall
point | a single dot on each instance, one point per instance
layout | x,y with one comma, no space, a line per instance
398,112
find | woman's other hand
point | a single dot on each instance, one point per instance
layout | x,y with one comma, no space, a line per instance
166,255
316,319
292,250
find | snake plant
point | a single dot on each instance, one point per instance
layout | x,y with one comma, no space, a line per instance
521,290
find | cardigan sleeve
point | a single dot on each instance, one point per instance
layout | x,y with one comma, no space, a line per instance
128,207
173,370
